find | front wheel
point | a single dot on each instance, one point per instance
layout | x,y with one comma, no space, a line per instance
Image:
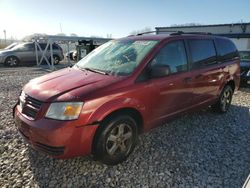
115,140
11,61
225,99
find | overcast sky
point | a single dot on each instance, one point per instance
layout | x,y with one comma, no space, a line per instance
99,18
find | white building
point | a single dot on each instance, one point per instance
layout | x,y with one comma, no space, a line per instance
239,33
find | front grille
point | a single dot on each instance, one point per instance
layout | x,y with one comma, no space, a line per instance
30,106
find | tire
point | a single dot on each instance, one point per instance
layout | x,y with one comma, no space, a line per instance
224,102
56,59
115,139
12,61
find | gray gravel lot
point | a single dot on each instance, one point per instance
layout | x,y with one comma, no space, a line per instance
202,149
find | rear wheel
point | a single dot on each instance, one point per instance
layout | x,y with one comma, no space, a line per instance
225,99
56,59
115,140
11,61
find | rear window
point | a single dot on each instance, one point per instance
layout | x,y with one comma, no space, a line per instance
43,46
55,46
226,49
203,52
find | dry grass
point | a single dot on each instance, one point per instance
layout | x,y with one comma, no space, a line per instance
2,46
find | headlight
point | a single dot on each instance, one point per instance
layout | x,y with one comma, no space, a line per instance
64,110
248,73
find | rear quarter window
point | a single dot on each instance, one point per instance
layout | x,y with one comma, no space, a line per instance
202,51
55,47
226,49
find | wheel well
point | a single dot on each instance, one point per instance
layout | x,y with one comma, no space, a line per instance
55,55
128,111
232,84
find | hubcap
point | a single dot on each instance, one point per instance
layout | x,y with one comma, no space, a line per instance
12,61
225,99
119,140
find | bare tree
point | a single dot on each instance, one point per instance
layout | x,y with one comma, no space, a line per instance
35,35
73,35
185,24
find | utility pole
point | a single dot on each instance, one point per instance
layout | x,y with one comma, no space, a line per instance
61,27
4,32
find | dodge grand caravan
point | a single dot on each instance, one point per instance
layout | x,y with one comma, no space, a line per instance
125,87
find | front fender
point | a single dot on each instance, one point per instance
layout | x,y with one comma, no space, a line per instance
116,104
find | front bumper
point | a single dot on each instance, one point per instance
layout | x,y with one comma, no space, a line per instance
60,139
1,59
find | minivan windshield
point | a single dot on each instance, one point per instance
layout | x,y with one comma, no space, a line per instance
10,46
19,46
119,58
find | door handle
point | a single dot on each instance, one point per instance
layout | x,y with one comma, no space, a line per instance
188,79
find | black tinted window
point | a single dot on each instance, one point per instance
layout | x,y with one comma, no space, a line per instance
55,46
29,47
226,49
202,52
43,46
174,55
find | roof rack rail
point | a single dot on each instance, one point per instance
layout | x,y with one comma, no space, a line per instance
196,33
149,32
172,33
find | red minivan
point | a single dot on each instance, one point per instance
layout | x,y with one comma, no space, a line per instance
125,87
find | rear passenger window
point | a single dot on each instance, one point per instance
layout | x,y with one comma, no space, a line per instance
203,52
226,49
55,47
43,46
174,55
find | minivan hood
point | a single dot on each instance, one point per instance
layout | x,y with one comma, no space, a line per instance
50,87
5,51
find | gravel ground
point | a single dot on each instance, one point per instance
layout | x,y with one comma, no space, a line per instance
201,149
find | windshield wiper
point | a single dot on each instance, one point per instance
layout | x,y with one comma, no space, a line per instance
96,71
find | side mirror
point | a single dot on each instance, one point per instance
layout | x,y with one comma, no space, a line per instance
159,71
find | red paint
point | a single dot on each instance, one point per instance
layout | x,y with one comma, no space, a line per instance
156,100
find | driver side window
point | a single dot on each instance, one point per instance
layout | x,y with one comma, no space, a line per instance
29,47
173,55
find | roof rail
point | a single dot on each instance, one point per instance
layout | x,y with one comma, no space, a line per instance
195,33
148,32
172,33
157,32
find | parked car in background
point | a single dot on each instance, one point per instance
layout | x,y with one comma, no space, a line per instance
123,88
245,67
72,55
24,53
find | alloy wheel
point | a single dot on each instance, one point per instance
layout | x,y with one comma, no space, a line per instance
119,140
226,99
12,61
